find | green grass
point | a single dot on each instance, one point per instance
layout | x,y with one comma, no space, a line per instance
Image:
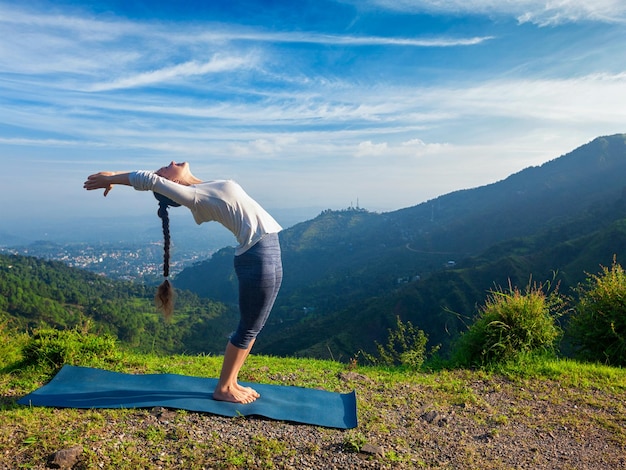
391,402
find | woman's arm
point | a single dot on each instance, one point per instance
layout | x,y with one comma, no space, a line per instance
142,181
105,180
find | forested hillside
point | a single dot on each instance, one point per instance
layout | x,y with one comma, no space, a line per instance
36,293
445,303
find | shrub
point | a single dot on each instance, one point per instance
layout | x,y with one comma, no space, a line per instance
50,347
510,324
11,343
406,346
598,325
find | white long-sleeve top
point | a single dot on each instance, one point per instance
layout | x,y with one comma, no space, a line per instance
223,201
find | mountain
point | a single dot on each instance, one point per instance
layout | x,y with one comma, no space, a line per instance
346,272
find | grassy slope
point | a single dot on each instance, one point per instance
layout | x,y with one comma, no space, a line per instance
542,414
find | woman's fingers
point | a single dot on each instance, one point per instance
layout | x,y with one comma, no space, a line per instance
98,181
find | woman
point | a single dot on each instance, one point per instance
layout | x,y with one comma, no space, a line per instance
257,257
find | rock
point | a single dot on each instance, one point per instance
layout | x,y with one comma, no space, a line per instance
434,417
353,377
371,449
163,415
157,411
65,458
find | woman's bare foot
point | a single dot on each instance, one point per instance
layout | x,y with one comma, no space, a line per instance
228,388
235,394
249,390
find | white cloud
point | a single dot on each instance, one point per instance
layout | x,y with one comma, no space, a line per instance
40,142
271,146
340,122
368,148
400,152
217,64
102,54
347,40
589,98
540,12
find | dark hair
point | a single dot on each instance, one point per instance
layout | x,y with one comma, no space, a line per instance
165,294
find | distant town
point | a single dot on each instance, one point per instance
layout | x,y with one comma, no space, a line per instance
129,248
125,261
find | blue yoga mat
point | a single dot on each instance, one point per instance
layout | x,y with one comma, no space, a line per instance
84,387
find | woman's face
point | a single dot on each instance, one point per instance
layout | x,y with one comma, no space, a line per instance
174,171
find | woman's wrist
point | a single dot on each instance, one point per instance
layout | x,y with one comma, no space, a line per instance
118,177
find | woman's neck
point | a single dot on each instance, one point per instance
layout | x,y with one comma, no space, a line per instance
192,180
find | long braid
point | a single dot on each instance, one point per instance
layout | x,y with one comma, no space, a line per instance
165,294
165,222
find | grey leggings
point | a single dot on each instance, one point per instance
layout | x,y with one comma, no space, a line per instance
260,273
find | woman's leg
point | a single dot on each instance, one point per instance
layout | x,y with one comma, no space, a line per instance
259,272
228,388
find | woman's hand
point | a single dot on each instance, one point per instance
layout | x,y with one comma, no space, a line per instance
100,180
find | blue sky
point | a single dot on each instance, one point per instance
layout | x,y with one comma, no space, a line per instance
305,103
